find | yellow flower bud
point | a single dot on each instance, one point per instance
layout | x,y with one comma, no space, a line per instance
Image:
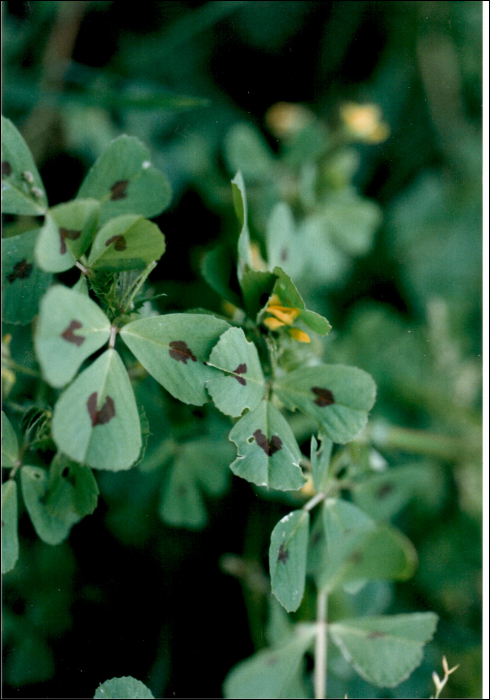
284,313
273,324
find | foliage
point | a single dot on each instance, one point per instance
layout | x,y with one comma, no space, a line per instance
127,364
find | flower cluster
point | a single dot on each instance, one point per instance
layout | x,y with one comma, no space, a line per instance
284,316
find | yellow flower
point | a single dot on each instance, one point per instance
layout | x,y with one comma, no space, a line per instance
364,122
284,119
301,336
273,324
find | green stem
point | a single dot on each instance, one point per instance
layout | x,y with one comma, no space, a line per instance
10,364
416,441
321,644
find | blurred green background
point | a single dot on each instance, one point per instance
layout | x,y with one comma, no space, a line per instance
133,591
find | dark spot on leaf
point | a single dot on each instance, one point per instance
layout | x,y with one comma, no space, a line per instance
6,168
3,524
284,254
241,369
272,661
21,270
180,351
324,396
120,242
283,554
384,491
316,538
106,413
376,635
65,233
269,447
70,336
181,490
356,557
118,190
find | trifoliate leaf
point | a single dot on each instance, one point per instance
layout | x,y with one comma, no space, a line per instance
174,349
125,687
337,396
287,558
10,444
199,466
23,283
268,454
127,242
22,187
66,234
125,182
244,385
384,650
96,420
10,537
271,673
71,327
35,488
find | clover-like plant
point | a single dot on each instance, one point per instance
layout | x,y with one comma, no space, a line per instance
247,365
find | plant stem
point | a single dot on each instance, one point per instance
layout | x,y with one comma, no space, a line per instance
320,672
416,441
317,498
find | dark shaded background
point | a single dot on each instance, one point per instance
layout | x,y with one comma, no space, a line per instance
127,595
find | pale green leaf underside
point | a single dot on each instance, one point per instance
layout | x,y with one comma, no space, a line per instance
384,650
244,385
125,182
268,454
10,537
23,283
125,687
271,673
174,348
126,243
66,234
35,487
96,419
10,444
22,187
287,558
71,327
320,460
337,396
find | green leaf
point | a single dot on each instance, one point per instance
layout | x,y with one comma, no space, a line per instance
199,466
217,269
23,283
22,187
289,295
384,650
337,396
126,243
357,549
271,673
174,350
35,488
125,687
125,182
284,247
10,444
81,286
256,286
268,454
72,488
247,150
287,558
352,221
71,327
325,262
240,203
10,537
66,234
96,420
244,385
320,460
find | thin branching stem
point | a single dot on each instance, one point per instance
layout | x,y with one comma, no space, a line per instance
320,671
